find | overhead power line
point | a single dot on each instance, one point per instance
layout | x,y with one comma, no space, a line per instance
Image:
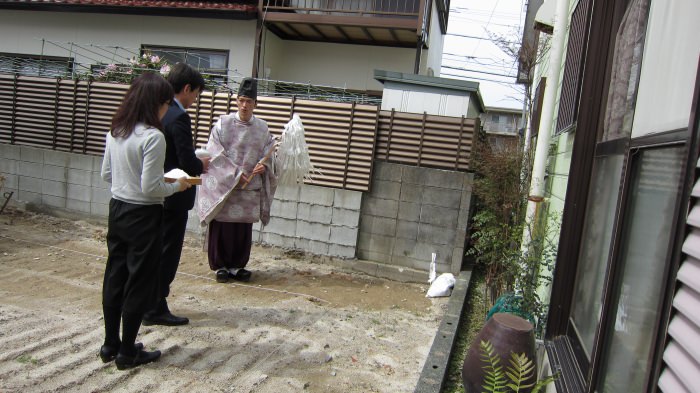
482,38
478,71
509,84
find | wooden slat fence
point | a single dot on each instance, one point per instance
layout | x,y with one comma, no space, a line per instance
425,140
343,138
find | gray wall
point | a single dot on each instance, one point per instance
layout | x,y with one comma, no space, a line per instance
54,181
412,212
319,220
391,231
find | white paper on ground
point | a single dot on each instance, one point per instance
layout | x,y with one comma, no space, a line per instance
442,286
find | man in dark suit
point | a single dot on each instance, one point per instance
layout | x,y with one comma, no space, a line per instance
179,153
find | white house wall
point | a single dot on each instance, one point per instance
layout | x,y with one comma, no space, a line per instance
271,55
432,103
560,162
328,64
22,31
669,66
436,40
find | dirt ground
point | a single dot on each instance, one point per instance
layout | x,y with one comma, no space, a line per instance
301,324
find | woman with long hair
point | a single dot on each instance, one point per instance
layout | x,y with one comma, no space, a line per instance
133,164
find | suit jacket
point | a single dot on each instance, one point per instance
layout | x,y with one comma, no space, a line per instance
179,153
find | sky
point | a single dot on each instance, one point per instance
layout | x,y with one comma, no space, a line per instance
470,53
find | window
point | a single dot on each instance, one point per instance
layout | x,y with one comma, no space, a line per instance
646,237
211,62
598,231
571,80
626,70
495,118
319,93
603,334
35,65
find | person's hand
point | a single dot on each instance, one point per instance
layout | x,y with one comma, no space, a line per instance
205,163
183,183
259,169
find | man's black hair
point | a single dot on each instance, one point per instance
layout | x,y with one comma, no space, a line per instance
182,74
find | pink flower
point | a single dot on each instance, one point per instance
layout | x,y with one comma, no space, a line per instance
155,59
164,70
111,67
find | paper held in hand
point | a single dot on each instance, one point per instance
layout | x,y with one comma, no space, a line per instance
177,173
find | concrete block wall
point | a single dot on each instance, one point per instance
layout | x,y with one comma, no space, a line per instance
412,212
54,181
391,231
318,220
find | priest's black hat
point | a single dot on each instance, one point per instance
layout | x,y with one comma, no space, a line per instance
248,88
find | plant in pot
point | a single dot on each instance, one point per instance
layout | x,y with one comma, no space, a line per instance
514,270
517,377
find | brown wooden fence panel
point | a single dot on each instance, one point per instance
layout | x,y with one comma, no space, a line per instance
102,102
7,103
343,138
425,140
35,100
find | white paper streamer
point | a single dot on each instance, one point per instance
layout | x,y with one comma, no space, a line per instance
293,154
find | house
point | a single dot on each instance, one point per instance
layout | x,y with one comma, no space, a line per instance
505,121
621,110
429,94
335,45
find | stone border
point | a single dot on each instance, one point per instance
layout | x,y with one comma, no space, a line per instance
432,378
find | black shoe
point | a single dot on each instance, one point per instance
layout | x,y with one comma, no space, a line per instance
124,362
241,275
165,319
107,353
222,275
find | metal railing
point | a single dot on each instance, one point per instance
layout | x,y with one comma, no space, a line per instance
399,8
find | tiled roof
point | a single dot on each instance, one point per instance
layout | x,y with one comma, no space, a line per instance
239,6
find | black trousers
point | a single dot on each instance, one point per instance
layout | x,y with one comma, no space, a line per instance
174,228
134,245
229,244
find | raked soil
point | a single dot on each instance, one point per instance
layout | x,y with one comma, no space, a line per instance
303,324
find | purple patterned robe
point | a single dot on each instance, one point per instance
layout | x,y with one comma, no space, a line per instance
236,147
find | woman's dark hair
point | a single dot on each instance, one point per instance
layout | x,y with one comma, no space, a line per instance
141,104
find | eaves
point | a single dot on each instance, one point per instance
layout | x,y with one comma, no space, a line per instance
193,9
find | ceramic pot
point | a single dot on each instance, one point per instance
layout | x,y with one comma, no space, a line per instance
507,333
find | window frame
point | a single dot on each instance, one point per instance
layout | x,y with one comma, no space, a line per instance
223,72
69,61
615,268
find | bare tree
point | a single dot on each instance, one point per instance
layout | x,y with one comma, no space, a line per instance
528,54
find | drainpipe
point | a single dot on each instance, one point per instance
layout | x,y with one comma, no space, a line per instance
554,71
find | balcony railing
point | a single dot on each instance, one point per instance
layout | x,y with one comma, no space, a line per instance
397,23
365,8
